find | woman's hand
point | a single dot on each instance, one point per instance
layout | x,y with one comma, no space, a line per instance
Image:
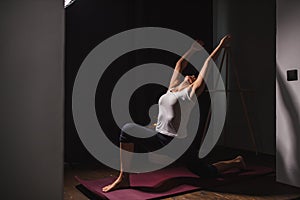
197,45
225,40
152,126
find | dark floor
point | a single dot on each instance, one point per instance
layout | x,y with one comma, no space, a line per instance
264,187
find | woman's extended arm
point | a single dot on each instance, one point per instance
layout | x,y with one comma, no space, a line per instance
182,63
198,85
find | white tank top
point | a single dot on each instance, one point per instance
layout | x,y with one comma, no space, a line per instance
174,113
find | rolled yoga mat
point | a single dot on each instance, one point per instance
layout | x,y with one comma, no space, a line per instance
166,182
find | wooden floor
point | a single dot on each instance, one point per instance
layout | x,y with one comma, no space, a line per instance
260,188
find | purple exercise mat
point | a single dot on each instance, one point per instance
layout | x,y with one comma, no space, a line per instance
166,182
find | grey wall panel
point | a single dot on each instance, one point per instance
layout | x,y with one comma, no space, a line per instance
31,82
252,24
288,93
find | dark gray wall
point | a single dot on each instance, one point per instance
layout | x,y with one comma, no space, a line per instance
287,93
252,25
31,77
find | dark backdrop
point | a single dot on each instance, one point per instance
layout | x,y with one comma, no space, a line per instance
89,22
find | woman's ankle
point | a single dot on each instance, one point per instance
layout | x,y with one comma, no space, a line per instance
123,176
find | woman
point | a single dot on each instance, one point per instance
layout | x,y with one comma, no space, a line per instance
174,109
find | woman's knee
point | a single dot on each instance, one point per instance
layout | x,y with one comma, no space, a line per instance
127,127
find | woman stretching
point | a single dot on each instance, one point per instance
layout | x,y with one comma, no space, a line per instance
170,117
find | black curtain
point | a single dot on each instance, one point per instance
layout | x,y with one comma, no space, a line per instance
89,22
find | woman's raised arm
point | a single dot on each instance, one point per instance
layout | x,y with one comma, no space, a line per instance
198,85
182,63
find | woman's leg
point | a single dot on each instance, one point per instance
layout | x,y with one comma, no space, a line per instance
237,162
123,178
205,170
149,140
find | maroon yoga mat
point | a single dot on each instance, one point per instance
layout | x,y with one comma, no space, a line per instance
168,181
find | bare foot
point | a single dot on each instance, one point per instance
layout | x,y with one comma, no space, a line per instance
241,162
119,183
